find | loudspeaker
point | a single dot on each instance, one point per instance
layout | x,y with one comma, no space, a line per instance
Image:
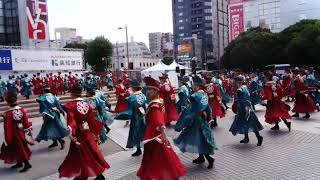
177,69
182,72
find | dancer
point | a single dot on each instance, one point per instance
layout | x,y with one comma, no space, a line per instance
245,120
159,161
136,113
2,89
196,135
84,158
15,124
183,94
52,128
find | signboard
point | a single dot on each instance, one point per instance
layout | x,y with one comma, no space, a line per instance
185,48
236,21
37,19
235,1
36,60
5,60
184,55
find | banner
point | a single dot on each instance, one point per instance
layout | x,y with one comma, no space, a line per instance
236,21
36,60
37,19
5,60
235,1
185,48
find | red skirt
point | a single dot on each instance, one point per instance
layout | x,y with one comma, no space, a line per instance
216,109
85,160
16,152
303,104
168,167
121,106
277,110
171,113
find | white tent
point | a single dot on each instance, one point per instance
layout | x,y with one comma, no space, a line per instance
156,71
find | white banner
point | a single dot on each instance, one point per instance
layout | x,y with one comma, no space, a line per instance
36,60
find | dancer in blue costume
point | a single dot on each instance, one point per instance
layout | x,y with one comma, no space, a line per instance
136,112
99,106
196,135
109,82
183,94
311,81
245,120
2,89
255,93
225,97
26,86
52,127
11,85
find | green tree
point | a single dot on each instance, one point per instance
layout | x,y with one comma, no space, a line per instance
99,53
167,60
83,46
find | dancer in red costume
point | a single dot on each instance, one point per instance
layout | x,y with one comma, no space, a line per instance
168,166
168,95
84,158
60,84
38,83
303,102
276,110
122,93
15,125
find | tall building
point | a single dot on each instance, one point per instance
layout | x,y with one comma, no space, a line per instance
208,20
24,23
275,15
64,36
161,44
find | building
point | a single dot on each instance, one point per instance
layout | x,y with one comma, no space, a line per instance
64,36
161,44
24,23
208,20
275,15
138,54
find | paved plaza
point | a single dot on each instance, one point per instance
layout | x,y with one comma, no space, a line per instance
283,155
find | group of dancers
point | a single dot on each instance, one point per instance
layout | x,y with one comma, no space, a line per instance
150,107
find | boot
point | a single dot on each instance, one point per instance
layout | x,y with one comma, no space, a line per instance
137,153
259,138
213,124
26,167
210,161
288,124
99,177
307,116
54,144
107,128
18,165
296,115
199,160
246,139
62,143
275,127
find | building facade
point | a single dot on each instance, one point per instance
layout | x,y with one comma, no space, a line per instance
64,36
161,44
208,20
24,23
275,15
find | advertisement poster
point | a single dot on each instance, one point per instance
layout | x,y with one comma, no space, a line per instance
37,19
236,21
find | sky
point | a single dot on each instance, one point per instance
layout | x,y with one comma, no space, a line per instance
93,18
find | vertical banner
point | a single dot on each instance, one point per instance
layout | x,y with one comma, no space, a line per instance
37,19
236,21
235,1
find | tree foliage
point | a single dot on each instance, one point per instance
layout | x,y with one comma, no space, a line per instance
83,46
167,60
99,53
298,44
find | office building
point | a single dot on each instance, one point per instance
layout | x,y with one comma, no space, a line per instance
161,44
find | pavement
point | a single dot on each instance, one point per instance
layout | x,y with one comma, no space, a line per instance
283,155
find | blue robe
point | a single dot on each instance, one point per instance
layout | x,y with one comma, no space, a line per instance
11,86
244,123
109,82
101,115
52,127
183,102
2,88
136,102
255,93
26,86
196,135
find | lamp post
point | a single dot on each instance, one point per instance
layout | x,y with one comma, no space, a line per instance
127,43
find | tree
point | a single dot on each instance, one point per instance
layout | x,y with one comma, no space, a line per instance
99,53
167,60
83,46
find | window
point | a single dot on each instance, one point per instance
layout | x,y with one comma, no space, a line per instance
181,27
181,14
208,17
208,10
122,65
181,21
180,0
180,7
208,32
181,35
248,24
208,3
140,64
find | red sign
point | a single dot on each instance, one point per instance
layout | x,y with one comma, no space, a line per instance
235,1
236,21
37,19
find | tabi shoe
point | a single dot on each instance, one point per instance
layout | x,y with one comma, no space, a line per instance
244,141
260,139
54,144
296,115
137,153
199,160
18,165
276,127
25,168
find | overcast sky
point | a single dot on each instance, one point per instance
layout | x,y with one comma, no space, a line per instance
92,18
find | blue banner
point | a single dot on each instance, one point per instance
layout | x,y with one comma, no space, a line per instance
5,60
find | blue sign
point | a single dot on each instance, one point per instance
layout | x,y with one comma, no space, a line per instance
5,60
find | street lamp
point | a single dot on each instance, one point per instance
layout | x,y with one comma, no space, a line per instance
126,28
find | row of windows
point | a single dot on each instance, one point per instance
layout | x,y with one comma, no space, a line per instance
146,64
